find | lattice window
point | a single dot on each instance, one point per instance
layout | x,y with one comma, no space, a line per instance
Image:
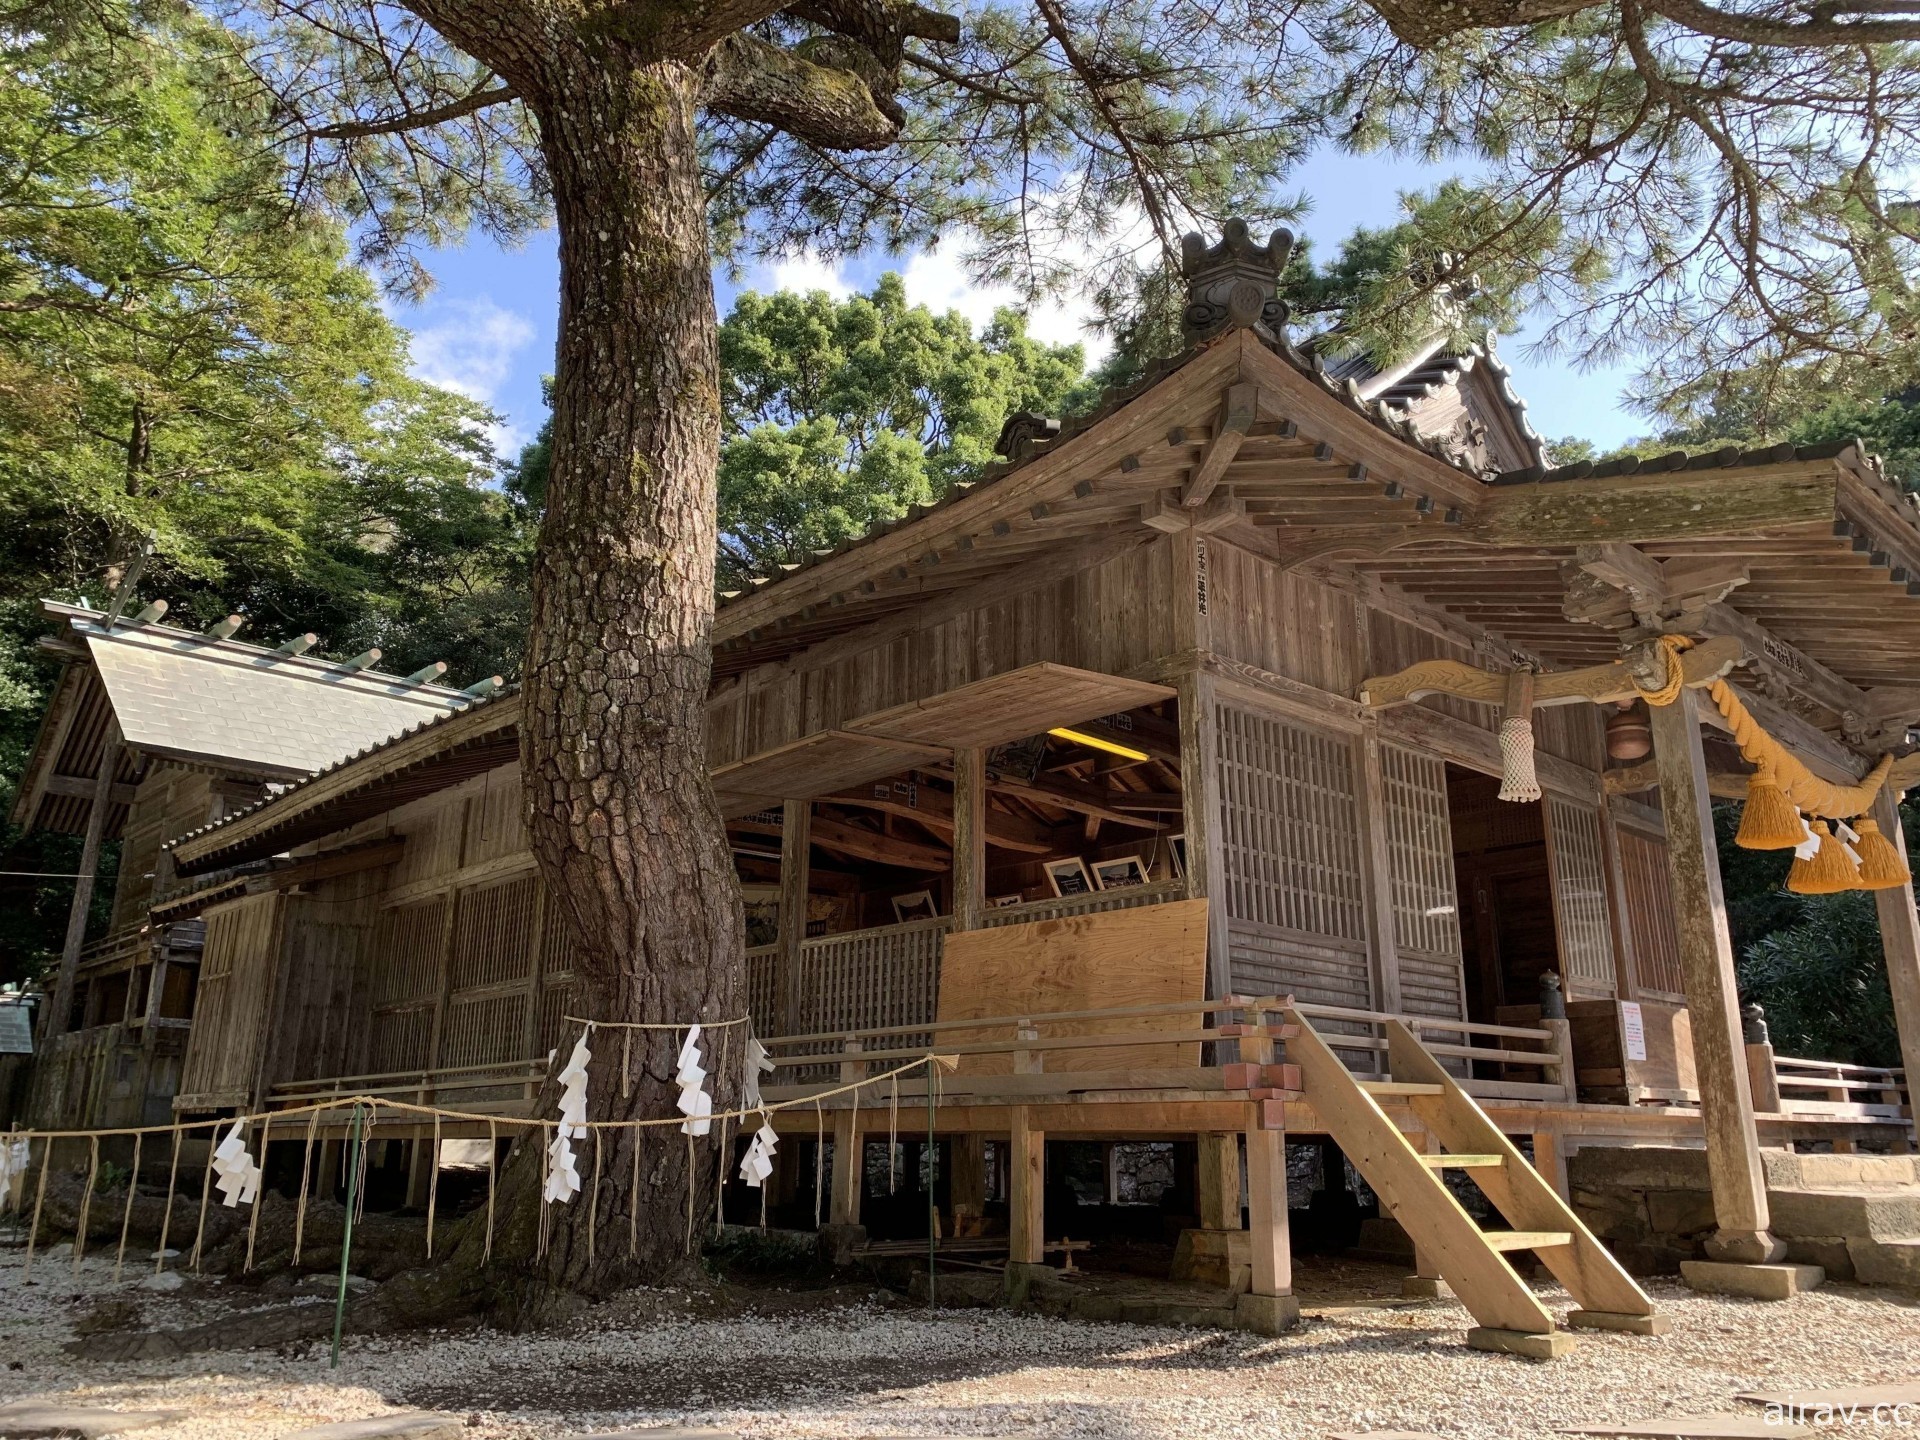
1426,920
763,988
1580,895
484,1030
399,1039
1649,913
871,978
406,952
1289,826
493,934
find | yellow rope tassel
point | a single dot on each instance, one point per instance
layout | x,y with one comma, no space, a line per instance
1769,821
1880,865
1828,872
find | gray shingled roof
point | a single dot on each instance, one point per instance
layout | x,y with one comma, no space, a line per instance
194,697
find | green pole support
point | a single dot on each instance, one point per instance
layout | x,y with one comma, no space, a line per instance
933,1165
346,1238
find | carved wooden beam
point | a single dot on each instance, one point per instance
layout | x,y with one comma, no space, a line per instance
1241,402
1721,784
1597,685
1620,587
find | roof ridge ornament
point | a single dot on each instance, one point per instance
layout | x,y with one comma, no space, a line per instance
1234,282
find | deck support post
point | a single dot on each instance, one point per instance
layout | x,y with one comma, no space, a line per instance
967,1189
796,819
1268,1307
1219,1176
60,1008
1900,940
1740,1207
1026,1191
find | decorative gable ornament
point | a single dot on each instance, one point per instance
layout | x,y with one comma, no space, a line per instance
695,1103
1234,283
239,1177
563,1171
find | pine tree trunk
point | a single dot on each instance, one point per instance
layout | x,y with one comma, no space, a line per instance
623,822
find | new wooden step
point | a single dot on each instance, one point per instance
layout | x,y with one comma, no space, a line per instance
1399,1087
1463,1162
1527,1239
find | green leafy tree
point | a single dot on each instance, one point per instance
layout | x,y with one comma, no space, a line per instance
841,413
188,357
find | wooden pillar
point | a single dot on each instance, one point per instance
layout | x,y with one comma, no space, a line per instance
1026,1191
849,1147
1376,863
1713,1002
54,1022
1200,811
1219,1176
796,821
969,839
1900,940
1550,1159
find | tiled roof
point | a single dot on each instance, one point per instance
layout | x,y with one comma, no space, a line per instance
197,697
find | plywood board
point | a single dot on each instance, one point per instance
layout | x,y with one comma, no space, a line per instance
821,763
1111,959
1011,706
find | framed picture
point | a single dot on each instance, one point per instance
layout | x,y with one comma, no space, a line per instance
1004,902
915,905
1177,851
1069,877
1121,872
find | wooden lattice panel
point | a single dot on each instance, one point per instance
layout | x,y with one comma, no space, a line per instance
870,978
484,1030
1580,895
237,967
1649,914
1057,907
1289,830
406,951
1426,918
493,934
763,962
399,1039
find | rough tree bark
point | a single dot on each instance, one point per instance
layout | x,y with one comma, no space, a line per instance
624,827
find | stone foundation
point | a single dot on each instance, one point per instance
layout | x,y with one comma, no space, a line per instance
1857,1217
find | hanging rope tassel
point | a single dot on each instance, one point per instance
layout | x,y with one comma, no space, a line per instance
306,1174
433,1184
633,1194
690,1189
819,1160
166,1216
1880,864
1518,780
206,1193
126,1215
39,1200
493,1150
86,1202
593,1199
259,1200
1768,821
1827,870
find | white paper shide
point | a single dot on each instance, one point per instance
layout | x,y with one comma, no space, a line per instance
563,1173
691,1077
239,1176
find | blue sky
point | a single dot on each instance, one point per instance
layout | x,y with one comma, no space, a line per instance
487,329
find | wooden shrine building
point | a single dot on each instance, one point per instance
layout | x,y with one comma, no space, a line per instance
1153,777
153,731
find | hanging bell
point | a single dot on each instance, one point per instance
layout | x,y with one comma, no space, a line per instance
1629,733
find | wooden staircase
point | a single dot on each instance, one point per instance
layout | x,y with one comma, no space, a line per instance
1411,1186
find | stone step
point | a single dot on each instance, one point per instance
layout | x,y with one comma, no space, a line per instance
1839,1172
1886,1262
1874,1214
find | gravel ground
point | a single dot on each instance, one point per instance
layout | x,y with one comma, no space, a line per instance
858,1364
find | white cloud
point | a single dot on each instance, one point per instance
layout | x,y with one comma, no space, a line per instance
470,346
941,283
804,273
